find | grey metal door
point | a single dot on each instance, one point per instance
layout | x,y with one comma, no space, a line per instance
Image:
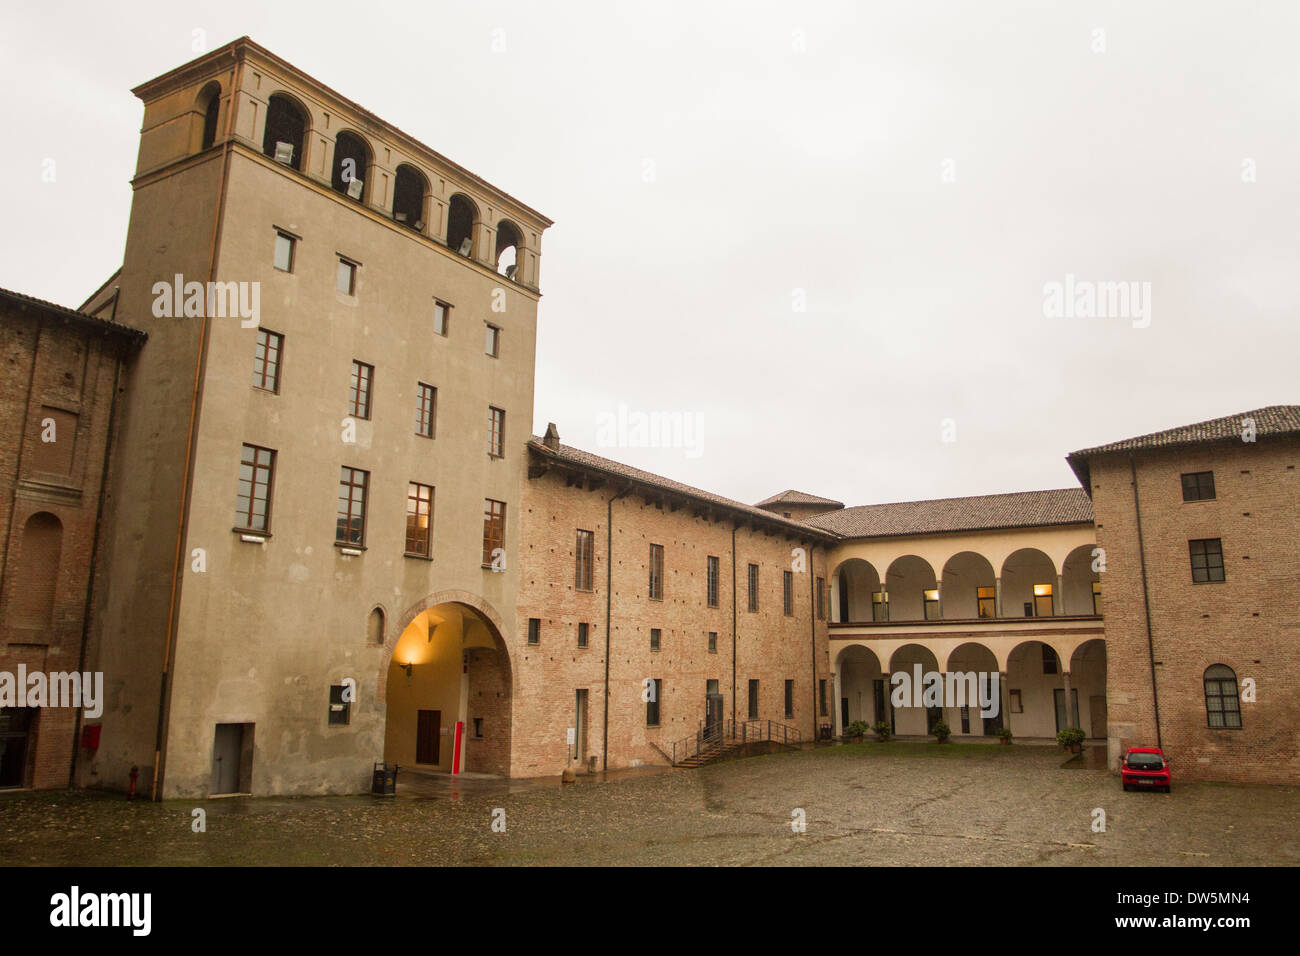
226,748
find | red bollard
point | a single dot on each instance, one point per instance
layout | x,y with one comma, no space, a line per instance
135,772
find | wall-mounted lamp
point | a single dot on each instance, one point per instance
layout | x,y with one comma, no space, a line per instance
407,667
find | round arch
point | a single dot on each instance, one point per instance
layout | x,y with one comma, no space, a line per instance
288,121
1080,584
968,587
1028,584
911,589
852,585
462,224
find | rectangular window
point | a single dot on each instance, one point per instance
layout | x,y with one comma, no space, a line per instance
656,572
880,605
284,248
347,277
712,585
426,410
534,630
1198,486
584,558
582,634
478,726
753,587
931,596
787,592
363,376
652,705
1043,600
1049,660
419,518
821,698
266,361
710,687
1096,597
1207,559
987,600
713,642
494,529
656,635
821,599
753,700
789,698
496,432
492,346
253,503
351,527
441,317
340,709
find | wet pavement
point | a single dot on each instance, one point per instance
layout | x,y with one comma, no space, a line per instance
898,803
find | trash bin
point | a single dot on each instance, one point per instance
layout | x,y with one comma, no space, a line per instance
384,783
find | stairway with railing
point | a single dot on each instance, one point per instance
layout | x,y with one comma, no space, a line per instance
729,738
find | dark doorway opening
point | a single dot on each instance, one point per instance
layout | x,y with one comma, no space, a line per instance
427,733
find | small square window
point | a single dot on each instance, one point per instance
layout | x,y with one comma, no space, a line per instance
493,344
1207,559
441,317
340,708
284,249
347,277
1198,486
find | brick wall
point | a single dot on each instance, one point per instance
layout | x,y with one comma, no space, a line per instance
1249,622
768,645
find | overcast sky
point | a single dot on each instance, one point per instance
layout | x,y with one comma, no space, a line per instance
820,231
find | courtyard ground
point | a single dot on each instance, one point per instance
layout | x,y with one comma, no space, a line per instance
896,803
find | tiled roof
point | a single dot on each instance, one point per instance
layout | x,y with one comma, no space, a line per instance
24,302
582,459
792,497
1022,509
1272,420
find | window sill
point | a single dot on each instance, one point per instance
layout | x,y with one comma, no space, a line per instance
417,557
251,535
347,548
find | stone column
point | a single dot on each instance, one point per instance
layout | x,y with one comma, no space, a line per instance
1071,718
1058,596
1004,692
997,603
836,729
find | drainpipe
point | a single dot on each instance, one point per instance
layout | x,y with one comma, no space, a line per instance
812,607
1146,598
609,592
733,624
200,362
94,558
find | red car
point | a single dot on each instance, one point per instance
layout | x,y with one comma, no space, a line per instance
1145,767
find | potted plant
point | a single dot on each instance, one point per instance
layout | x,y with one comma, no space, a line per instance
882,730
1005,734
856,730
942,731
1071,738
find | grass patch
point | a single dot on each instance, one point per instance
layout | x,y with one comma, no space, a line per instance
917,748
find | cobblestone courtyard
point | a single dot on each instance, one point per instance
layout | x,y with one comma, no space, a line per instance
884,804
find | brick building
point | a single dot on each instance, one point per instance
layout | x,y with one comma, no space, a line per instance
60,376
341,544
1201,526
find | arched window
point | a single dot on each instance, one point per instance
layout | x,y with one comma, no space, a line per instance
375,626
286,131
38,571
408,197
210,102
1222,707
351,165
461,217
508,243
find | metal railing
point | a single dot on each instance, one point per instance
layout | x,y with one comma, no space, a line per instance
714,739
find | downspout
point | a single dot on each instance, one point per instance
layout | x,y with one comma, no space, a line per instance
94,557
812,607
733,624
609,593
1146,598
200,361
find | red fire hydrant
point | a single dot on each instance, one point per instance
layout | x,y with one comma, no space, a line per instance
135,772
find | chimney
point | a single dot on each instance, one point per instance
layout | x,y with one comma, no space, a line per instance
552,439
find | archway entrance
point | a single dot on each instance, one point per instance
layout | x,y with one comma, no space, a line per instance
449,666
